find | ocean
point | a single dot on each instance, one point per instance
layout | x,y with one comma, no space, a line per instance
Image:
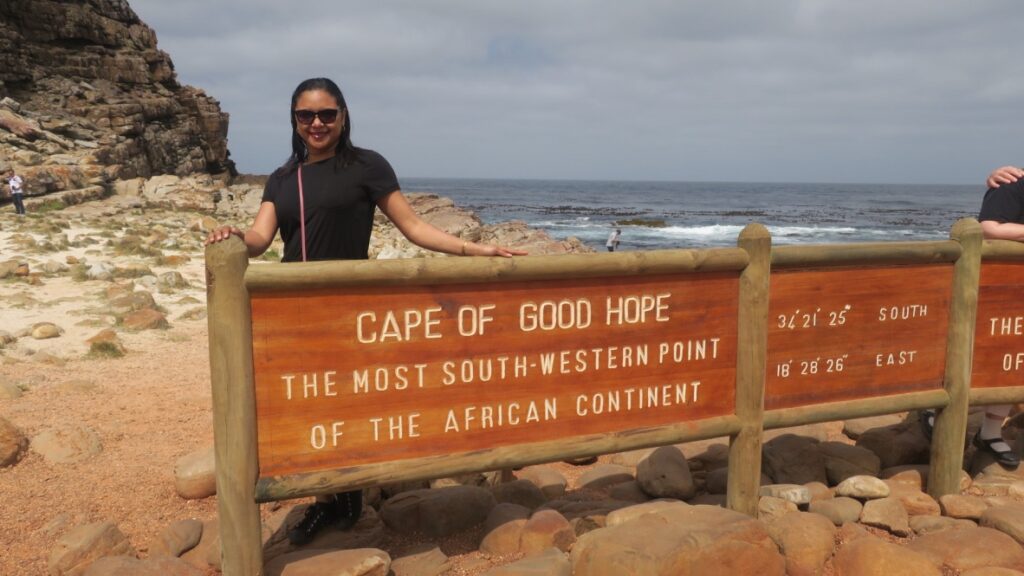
657,215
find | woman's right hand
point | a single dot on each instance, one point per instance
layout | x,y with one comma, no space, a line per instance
1004,175
223,233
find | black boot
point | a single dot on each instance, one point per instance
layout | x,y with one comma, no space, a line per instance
349,507
318,516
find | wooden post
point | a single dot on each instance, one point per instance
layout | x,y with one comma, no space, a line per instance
234,408
751,356
947,450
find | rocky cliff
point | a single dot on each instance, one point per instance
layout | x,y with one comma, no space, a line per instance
87,98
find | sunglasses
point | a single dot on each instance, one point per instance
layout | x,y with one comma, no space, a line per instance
326,116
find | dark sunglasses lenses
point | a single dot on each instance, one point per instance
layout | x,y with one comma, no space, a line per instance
327,116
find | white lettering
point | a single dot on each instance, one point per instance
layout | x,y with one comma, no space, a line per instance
549,315
1006,326
906,312
398,327
900,358
500,415
1012,362
628,399
636,309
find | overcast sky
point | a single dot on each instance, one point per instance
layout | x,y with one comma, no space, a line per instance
895,91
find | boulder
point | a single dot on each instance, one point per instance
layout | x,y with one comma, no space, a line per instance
438,512
682,541
12,443
80,547
195,474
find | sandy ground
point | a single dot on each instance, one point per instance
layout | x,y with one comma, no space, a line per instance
148,408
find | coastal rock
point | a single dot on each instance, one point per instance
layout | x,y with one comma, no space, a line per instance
522,492
195,475
86,97
686,541
870,556
44,330
666,474
177,538
67,444
887,514
863,487
503,528
77,549
839,510
969,549
146,319
546,529
794,493
551,482
603,475
805,539
424,560
438,512
358,562
12,443
792,459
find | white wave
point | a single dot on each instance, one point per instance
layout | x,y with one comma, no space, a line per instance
815,231
712,231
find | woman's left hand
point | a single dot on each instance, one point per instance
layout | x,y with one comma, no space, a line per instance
472,249
506,252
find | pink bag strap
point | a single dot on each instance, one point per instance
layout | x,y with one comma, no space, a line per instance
302,215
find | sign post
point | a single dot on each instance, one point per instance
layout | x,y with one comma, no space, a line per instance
234,422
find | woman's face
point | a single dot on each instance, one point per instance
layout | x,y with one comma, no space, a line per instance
321,138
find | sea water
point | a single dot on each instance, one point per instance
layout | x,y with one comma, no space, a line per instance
656,215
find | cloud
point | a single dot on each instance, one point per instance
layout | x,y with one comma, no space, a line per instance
819,90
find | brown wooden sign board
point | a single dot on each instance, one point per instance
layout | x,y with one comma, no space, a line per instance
850,333
359,375
999,337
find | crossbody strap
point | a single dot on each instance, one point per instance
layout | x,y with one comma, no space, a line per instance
302,215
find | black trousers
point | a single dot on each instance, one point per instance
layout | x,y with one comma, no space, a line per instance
19,205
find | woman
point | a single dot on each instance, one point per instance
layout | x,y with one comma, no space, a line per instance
1002,218
322,200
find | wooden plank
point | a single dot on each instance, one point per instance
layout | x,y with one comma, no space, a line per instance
947,453
328,481
854,409
370,374
851,333
438,271
1008,250
1006,395
999,338
868,253
234,424
745,446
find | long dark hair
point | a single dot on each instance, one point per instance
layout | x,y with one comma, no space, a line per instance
345,151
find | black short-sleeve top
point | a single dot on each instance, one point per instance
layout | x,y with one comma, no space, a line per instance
1004,204
339,201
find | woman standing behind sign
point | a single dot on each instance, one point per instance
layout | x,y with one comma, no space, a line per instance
1002,218
322,200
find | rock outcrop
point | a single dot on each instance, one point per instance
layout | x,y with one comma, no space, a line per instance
87,98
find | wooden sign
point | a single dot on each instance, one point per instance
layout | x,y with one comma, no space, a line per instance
999,337
848,333
360,375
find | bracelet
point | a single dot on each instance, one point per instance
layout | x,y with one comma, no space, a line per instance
463,247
